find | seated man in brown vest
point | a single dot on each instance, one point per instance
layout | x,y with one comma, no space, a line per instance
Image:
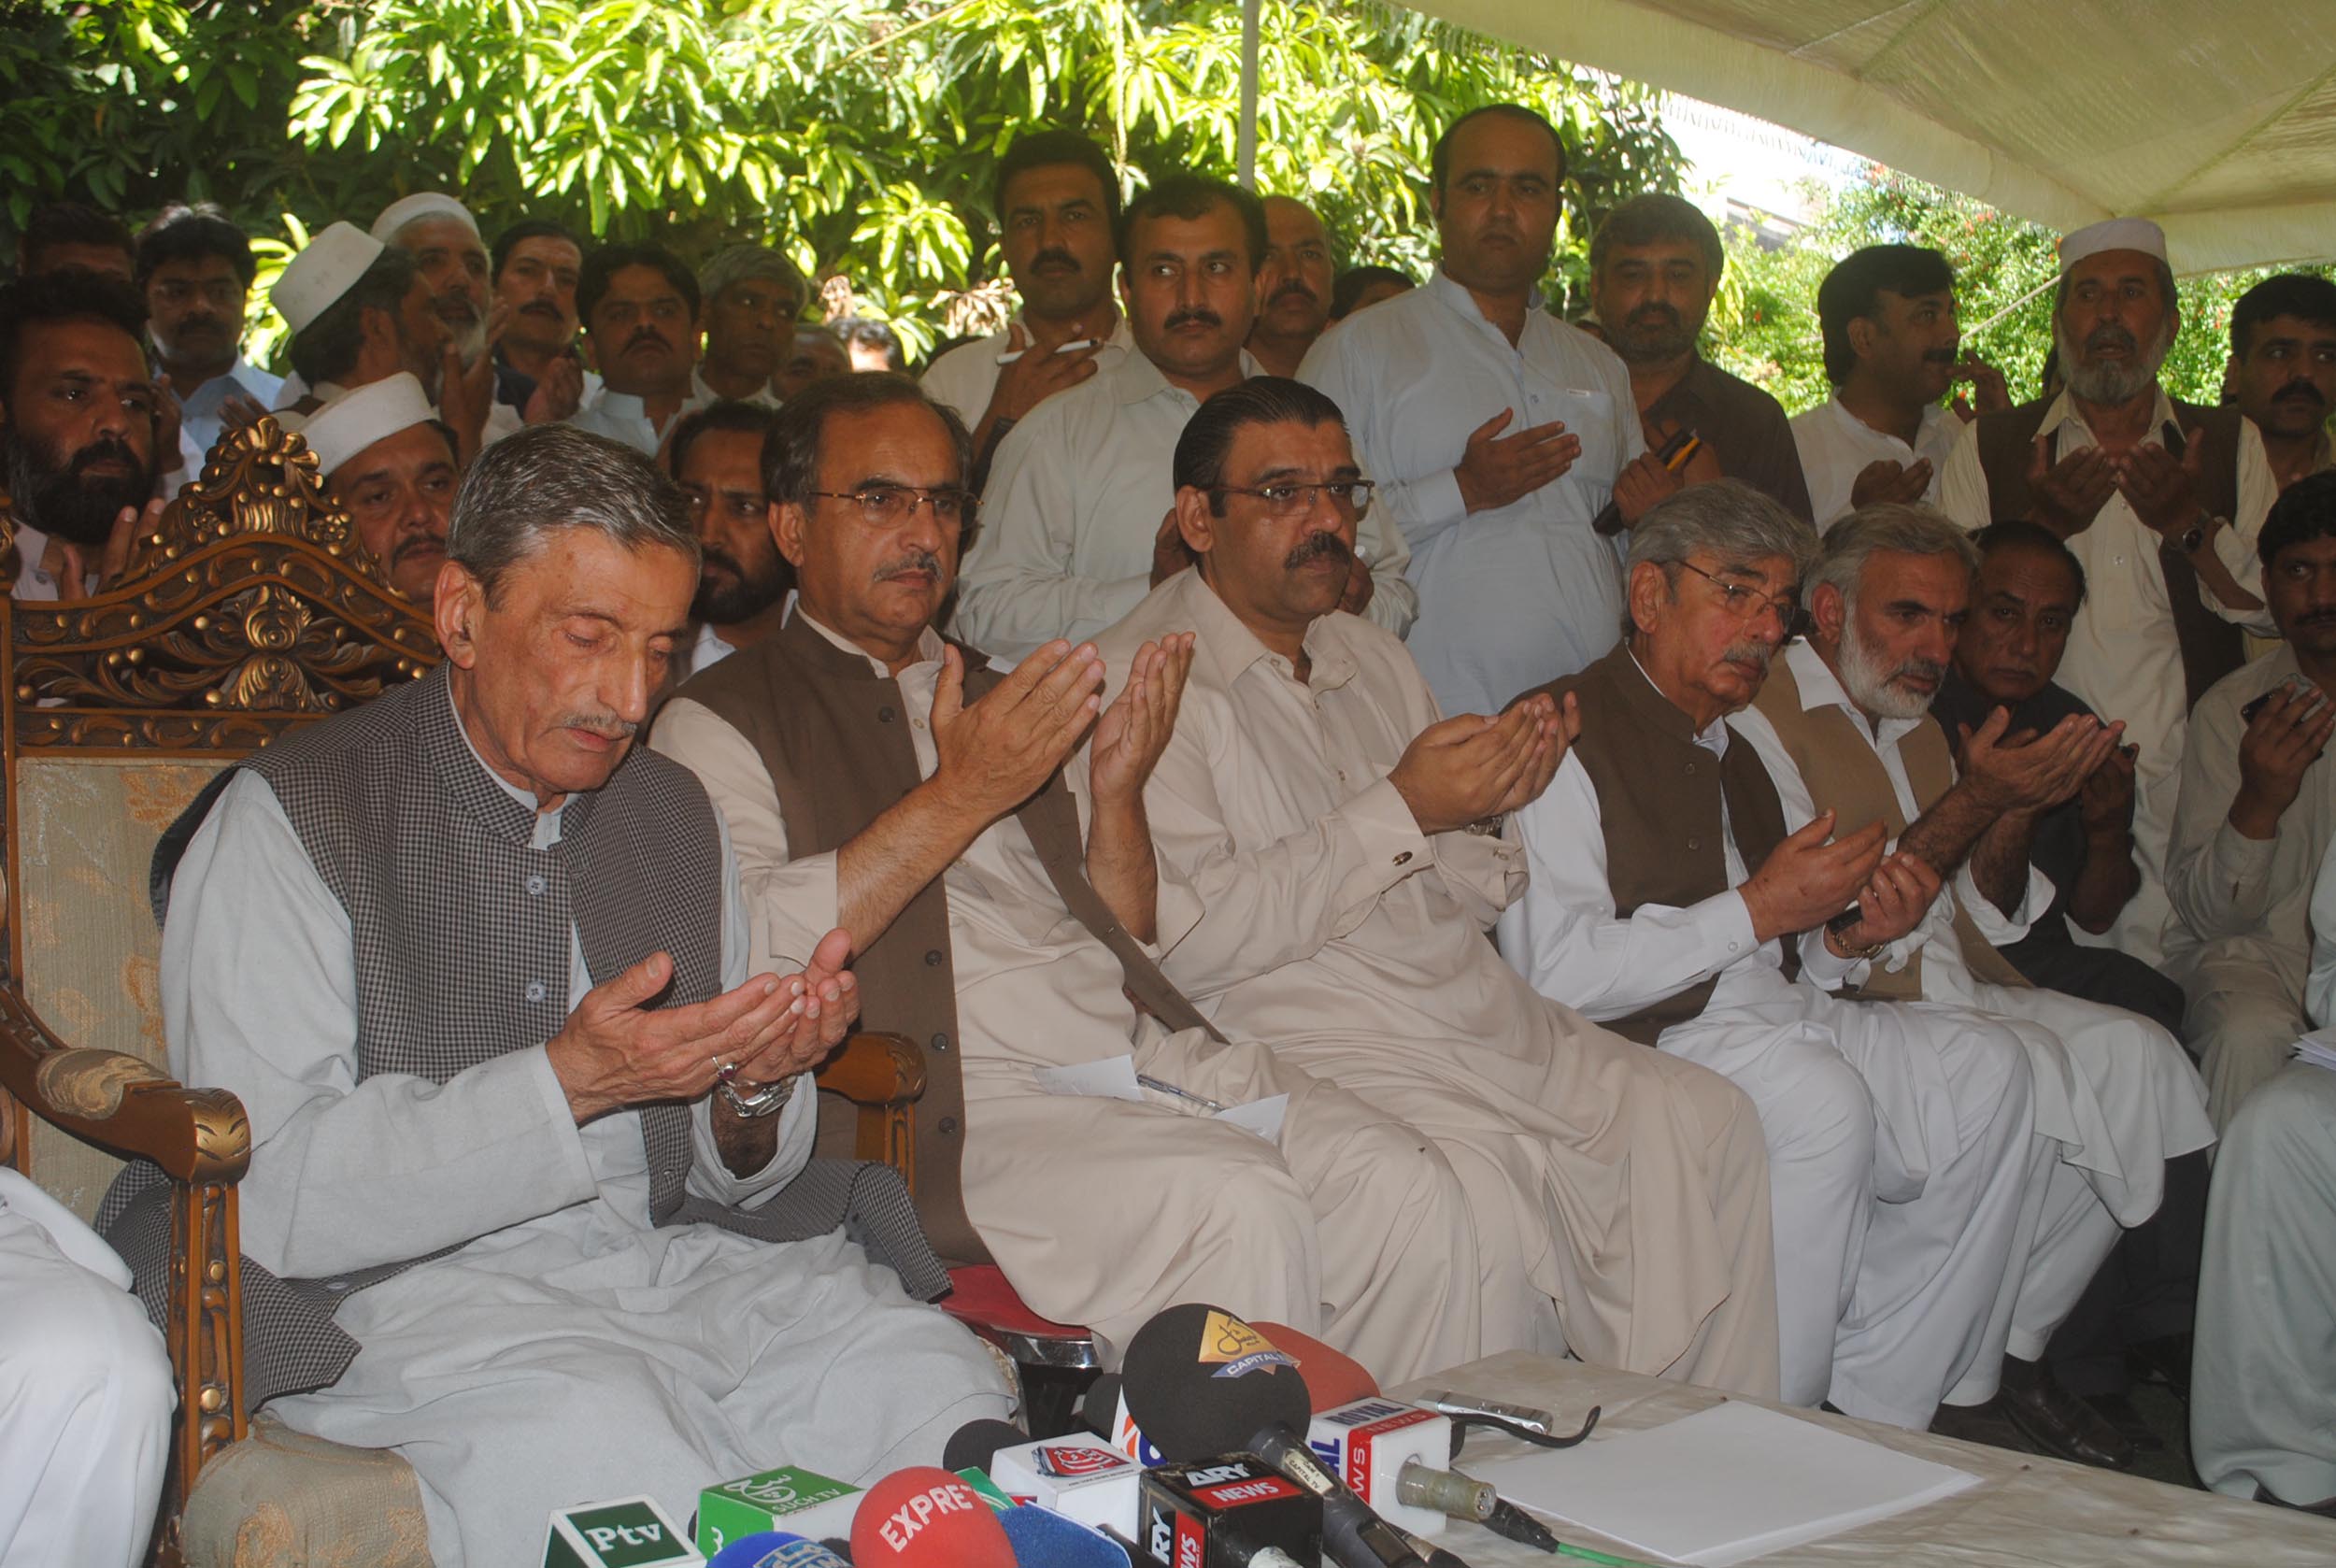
879,778
1843,724
2160,501
1337,863
1665,899
528,1130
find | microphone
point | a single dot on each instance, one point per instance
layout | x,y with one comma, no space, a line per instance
1200,1381
1078,1476
1394,1455
926,1518
1229,1511
969,1446
1043,1539
1333,1376
774,1548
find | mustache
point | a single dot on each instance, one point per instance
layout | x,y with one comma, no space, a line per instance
1654,310
2112,338
1200,315
2297,391
1054,256
109,449
645,335
914,561
540,307
420,544
1320,545
2317,618
1940,356
1297,286
1926,669
606,725
1754,653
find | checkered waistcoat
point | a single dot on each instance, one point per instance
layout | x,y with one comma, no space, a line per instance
462,944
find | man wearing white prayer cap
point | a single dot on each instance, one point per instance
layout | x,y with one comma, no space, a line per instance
359,312
2160,502
388,461
443,238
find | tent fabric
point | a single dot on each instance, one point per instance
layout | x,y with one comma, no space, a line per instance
2217,118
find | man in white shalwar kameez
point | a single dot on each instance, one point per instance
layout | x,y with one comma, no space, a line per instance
1317,815
881,781
564,1336
2113,1090
1662,899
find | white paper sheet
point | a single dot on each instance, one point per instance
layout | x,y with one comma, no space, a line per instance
2318,1049
1261,1117
1723,1486
1112,1079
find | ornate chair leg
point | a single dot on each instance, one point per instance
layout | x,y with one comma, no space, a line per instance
205,1304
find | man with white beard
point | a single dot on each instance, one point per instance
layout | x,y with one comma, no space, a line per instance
444,239
2160,502
1844,725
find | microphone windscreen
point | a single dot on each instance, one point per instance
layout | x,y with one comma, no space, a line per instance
972,1444
774,1548
1332,1378
925,1518
1200,1381
1099,1406
1047,1540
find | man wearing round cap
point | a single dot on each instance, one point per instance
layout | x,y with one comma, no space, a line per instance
753,295
389,465
359,311
2161,503
443,238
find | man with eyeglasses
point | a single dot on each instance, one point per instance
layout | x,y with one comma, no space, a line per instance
716,455
1665,898
880,779
195,269
1331,862
1076,525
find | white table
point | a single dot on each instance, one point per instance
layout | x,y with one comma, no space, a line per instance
2027,1510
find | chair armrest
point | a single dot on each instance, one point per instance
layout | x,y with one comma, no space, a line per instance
883,1076
121,1102
871,1069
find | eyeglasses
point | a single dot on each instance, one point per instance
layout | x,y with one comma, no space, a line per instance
891,506
1351,497
1746,603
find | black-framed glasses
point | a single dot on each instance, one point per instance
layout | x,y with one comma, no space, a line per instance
891,506
1746,603
1351,497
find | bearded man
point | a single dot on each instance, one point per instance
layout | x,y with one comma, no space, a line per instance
720,457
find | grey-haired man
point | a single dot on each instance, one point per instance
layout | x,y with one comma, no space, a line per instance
516,1100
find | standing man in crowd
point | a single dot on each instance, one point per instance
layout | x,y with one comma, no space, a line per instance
1495,431
718,455
640,305
1077,520
754,295
61,234
443,238
389,465
2257,812
817,355
1294,290
1888,316
2283,362
359,312
1359,287
195,269
882,780
1654,270
537,264
1057,201
2160,500
1338,852
78,426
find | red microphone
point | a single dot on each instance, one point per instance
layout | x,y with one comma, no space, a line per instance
1333,1376
926,1518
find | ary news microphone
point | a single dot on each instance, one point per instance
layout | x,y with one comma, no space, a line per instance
1229,1511
1200,1381
927,1518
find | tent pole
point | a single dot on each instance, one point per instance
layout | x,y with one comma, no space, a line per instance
1250,11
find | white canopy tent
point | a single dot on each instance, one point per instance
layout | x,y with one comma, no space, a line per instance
2217,118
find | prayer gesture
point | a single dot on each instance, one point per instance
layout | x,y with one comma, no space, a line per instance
2031,774
1810,876
1892,904
1170,554
1360,585
1133,730
1989,394
2284,737
558,391
1468,767
1883,482
1496,470
1040,373
614,1051
2161,488
2105,803
2065,496
998,752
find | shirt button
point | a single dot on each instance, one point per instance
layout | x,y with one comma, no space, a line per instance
933,958
535,990
1695,844
949,1126
1690,767
940,1042
918,724
1404,859
884,716
536,887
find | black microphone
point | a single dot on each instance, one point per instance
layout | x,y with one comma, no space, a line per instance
1200,1382
972,1445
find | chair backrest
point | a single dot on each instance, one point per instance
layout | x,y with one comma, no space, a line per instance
250,610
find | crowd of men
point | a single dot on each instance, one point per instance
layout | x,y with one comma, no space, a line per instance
1899,876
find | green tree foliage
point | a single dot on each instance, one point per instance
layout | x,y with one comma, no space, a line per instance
1765,327
859,134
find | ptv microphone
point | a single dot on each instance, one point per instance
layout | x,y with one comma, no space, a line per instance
1200,1381
925,1518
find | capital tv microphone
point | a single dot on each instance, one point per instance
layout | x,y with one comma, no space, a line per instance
927,1518
1200,1381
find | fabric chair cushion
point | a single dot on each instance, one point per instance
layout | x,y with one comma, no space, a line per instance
280,1499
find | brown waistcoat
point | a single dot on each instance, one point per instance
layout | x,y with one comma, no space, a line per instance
2211,646
834,735
1845,776
1660,798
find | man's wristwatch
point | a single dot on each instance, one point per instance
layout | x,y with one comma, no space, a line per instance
2193,538
763,1101
1487,827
